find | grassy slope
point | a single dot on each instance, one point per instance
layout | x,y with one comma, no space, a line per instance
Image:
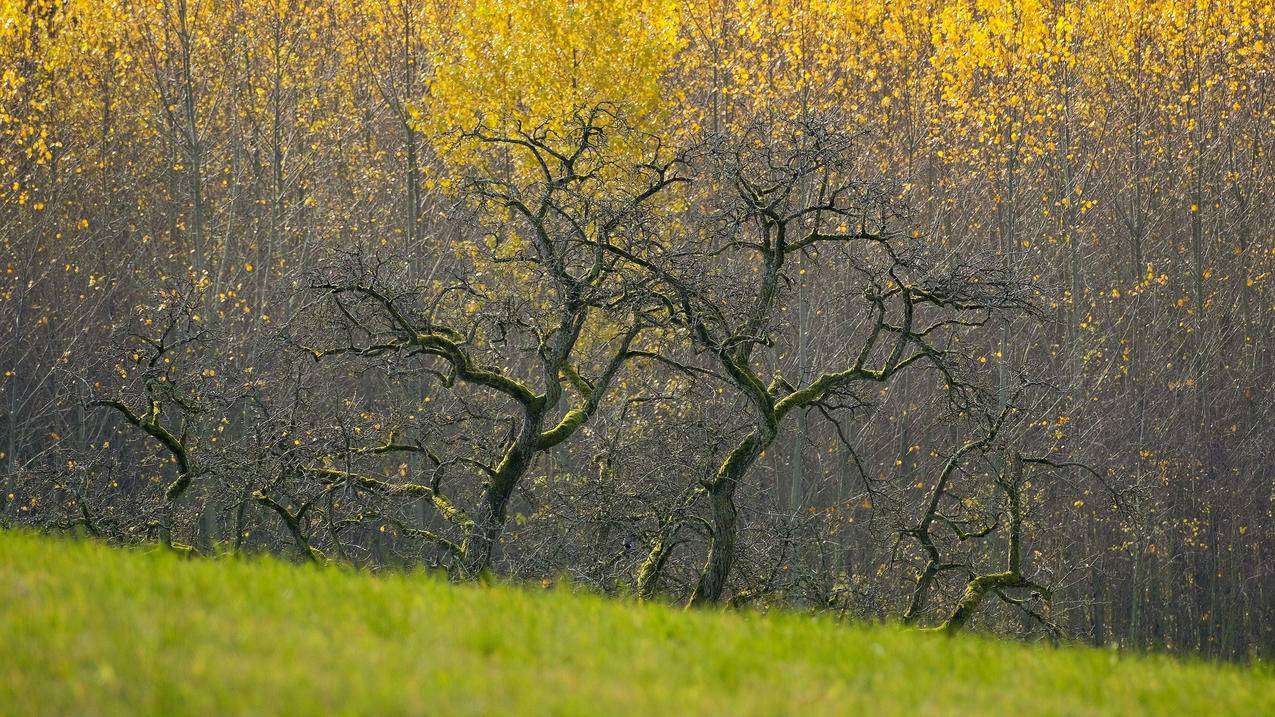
89,629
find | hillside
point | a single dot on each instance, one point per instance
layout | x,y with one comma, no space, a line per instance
90,629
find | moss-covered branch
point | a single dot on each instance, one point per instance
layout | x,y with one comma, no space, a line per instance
295,529
149,423
1011,482
447,509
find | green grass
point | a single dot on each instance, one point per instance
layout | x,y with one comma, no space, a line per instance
89,629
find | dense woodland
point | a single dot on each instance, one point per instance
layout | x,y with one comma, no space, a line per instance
953,313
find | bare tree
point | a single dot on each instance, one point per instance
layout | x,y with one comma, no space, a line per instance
551,223
785,188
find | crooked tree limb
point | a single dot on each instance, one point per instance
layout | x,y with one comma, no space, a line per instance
293,522
149,423
979,586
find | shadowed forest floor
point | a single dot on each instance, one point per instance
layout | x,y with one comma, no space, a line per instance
90,629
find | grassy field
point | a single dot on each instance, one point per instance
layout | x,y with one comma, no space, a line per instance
88,629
